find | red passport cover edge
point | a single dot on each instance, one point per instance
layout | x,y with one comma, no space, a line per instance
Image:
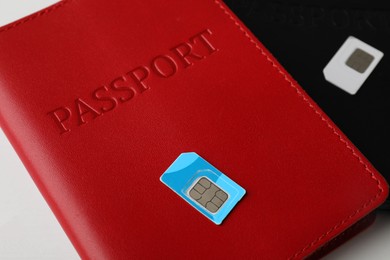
382,194
382,191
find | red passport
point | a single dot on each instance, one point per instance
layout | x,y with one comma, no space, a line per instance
100,97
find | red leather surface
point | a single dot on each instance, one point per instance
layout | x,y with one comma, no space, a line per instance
338,241
229,101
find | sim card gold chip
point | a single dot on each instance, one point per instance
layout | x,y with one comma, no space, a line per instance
207,194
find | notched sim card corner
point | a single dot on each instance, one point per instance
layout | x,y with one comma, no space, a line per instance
203,186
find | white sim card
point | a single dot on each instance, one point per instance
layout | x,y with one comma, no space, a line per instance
352,64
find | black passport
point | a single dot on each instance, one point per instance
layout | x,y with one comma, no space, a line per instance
304,35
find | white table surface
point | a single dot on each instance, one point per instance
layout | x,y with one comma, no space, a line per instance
29,230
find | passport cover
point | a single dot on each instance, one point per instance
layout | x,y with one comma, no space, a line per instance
100,97
305,35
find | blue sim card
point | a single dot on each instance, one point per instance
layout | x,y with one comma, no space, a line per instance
203,186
